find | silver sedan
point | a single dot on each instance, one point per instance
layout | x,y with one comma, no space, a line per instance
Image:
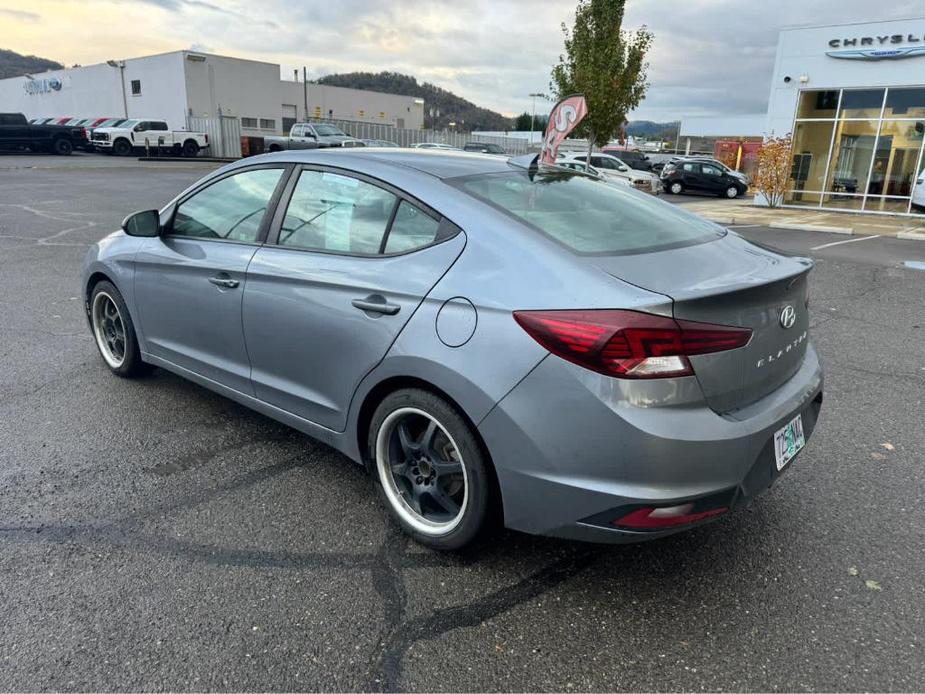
497,343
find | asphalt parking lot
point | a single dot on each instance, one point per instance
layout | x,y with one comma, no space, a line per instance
155,536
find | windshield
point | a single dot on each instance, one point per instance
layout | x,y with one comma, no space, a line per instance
329,130
588,216
129,123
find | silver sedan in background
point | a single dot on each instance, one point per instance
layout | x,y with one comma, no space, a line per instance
495,342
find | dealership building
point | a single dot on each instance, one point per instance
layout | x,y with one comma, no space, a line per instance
853,95
184,86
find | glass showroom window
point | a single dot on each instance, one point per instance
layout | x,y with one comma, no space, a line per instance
858,149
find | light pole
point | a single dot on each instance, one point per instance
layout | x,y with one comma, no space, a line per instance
121,65
533,117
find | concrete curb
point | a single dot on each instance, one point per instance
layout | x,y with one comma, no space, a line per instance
214,160
797,226
911,235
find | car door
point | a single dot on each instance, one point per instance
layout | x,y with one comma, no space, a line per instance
349,263
690,176
189,281
303,137
714,180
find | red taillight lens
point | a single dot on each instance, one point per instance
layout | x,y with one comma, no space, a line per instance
628,344
653,518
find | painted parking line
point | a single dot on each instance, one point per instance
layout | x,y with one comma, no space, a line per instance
839,243
744,226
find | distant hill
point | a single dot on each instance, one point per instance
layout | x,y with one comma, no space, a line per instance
652,130
467,115
13,64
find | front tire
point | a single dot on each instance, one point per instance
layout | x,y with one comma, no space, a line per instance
114,331
121,148
433,475
62,146
675,188
732,192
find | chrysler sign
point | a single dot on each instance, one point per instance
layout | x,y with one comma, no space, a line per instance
889,47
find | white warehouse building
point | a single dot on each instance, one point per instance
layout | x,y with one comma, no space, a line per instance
184,85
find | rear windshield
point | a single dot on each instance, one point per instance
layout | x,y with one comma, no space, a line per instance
589,216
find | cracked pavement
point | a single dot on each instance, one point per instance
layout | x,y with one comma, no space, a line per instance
155,536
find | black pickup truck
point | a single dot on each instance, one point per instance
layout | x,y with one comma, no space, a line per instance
16,133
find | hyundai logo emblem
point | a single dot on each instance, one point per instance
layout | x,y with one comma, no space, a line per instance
788,316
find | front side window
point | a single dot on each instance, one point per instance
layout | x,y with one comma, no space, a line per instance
331,212
588,216
231,209
710,170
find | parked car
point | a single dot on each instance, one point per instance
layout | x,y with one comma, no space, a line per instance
17,133
310,136
435,145
708,160
645,372
605,176
701,177
380,143
135,135
641,180
633,158
918,193
484,148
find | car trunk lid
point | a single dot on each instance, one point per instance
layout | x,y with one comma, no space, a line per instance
730,281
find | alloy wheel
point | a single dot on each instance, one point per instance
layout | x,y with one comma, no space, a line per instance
422,471
108,329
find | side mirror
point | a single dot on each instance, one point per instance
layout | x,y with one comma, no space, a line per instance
311,136
623,168
137,128
145,223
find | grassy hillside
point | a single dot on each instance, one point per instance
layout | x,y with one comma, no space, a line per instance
465,114
13,64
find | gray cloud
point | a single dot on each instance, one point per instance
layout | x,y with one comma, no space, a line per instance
20,15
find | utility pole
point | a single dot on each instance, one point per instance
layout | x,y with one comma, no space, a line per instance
305,89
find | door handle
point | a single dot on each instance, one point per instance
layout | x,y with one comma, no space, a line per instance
376,304
224,281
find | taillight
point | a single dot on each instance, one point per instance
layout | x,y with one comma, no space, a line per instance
207,138
653,518
628,344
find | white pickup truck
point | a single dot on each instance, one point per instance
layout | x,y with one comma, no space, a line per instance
153,135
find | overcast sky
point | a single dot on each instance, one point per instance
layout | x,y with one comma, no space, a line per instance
709,56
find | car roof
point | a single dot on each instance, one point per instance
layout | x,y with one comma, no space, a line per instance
438,163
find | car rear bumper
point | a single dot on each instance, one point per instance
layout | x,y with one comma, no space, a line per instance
574,450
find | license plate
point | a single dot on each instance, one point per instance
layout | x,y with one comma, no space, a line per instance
788,441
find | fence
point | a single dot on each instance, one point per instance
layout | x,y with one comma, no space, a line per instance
405,137
224,134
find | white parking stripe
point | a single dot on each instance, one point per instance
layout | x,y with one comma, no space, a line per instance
838,243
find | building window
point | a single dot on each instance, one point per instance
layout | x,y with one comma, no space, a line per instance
248,122
858,149
136,87
268,124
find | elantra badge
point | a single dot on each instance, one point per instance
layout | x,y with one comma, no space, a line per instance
788,316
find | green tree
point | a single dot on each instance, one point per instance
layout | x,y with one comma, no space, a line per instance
606,64
522,122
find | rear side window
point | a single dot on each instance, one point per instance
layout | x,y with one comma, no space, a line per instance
589,216
412,228
330,212
231,209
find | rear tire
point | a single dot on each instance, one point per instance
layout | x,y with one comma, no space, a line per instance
121,148
114,332
62,146
432,473
275,148
675,188
190,148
